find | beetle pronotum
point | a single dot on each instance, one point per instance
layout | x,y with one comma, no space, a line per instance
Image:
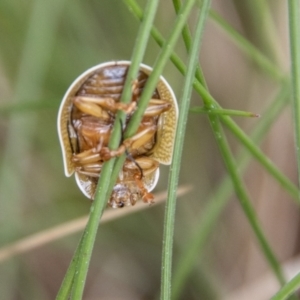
85,120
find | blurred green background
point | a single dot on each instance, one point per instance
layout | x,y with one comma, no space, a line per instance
44,46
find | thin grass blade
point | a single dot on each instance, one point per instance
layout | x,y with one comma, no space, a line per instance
178,147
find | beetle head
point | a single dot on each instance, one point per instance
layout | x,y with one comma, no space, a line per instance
124,194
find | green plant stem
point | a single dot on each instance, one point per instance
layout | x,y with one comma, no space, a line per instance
104,184
178,146
238,185
89,235
288,289
188,40
136,60
103,191
284,181
227,112
242,193
294,26
262,158
193,249
249,49
66,285
210,102
162,59
244,199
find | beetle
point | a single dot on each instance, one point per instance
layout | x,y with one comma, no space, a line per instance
85,121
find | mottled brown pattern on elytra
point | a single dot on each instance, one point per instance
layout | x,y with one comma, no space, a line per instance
163,150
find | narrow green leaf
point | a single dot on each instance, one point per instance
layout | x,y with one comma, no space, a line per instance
240,190
262,158
208,218
244,198
178,146
288,289
66,285
162,59
103,192
210,102
226,112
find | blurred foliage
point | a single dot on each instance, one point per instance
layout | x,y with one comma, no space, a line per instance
44,47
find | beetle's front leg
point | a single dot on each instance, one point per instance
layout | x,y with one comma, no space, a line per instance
135,142
99,107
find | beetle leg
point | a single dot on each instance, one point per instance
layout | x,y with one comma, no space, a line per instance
107,154
146,196
86,157
148,165
98,107
140,138
91,108
156,107
92,170
135,90
135,142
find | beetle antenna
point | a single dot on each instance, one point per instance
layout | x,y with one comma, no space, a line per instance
129,156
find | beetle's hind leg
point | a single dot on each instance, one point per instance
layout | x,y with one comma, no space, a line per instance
92,170
148,166
88,162
135,142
